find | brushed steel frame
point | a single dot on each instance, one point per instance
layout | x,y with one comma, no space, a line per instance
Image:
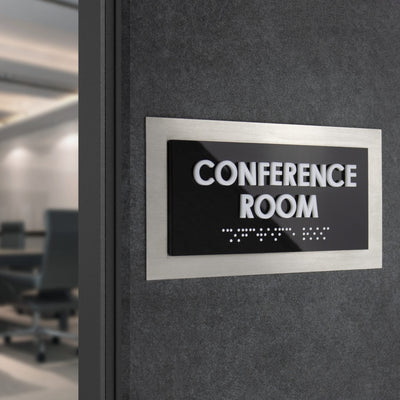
162,266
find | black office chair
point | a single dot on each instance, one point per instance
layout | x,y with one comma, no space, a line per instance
12,235
52,284
8,293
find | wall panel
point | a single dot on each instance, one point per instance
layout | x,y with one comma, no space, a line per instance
330,335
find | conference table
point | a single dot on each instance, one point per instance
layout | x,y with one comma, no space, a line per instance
28,257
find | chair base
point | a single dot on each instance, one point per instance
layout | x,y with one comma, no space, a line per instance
40,333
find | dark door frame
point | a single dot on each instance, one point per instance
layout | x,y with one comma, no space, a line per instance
99,183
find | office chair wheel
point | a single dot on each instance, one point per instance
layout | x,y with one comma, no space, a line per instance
7,339
41,357
55,340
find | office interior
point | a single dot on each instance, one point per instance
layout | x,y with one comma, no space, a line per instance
39,296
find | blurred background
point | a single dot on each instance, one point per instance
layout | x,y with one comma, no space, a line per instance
38,199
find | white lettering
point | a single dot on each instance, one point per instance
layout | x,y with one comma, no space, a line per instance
218,173
307,209
262,172
292,203
329,175
318,174
350,174
247,174
275,173
196,173
302,173
289,172
271,206
246,202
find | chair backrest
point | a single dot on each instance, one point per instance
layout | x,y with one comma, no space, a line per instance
60,260
12,235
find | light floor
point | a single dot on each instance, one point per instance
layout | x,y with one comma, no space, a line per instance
22,378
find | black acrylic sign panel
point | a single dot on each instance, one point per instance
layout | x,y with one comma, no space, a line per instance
205,219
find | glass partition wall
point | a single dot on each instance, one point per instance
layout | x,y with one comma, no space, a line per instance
39,199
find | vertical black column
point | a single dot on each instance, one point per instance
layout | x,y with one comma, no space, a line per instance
97,199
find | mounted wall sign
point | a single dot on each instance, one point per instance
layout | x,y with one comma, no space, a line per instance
236,198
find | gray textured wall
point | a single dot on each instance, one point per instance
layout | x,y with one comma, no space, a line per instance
332,335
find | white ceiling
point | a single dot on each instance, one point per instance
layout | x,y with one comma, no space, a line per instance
38,56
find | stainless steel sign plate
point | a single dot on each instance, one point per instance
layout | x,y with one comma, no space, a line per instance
235,198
